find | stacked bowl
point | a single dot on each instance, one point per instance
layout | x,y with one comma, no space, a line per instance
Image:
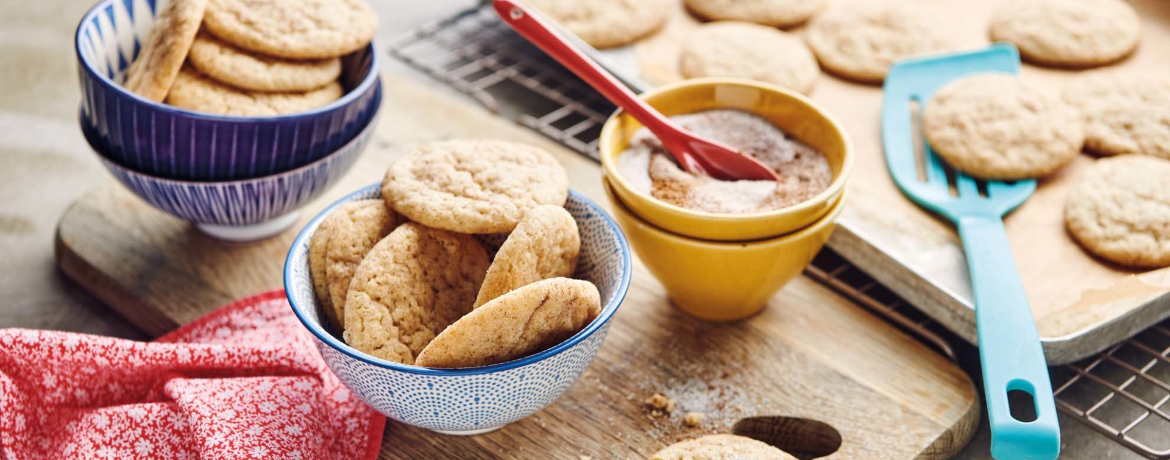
725,267
236,178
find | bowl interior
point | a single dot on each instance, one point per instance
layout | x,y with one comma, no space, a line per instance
110,36
604,260
795,114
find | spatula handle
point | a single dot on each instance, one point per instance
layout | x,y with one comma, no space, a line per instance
1009,346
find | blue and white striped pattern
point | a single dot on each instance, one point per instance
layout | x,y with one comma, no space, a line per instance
467,401
169,142
242,202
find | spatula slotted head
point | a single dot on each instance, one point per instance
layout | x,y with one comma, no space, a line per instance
917,170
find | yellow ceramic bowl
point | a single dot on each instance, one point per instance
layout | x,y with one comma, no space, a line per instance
721,281
789,110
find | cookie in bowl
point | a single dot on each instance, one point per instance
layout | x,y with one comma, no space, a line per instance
237,114
413,335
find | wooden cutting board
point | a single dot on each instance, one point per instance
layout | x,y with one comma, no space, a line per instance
812,354
1082,305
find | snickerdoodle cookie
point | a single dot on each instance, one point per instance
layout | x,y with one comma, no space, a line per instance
256,72
318,246
775,13
746,50
517,324
409,288
721,447
860,42
357,227
606,23
1000,127
293,29
1074,33
1123,112
1120,211
474,186
194,91
544,245
154,71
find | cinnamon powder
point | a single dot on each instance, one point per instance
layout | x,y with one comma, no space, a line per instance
804,172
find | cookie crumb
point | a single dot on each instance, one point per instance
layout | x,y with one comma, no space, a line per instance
693,419
659,404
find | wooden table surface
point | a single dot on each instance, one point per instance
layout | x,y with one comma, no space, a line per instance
45,165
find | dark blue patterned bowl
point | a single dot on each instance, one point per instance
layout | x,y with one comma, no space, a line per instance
240,210
477,399
165,141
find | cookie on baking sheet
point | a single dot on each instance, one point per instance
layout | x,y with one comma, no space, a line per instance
318,246
775,13
1140,129
1000,127
293,29
357,226
1073,33
154,71
194,91
860,42
606,23
474,186
544,245
721,447
257,72
1119,210
514,325
409,288
747,50
1123,112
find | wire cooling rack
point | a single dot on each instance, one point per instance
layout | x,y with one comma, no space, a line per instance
1122,393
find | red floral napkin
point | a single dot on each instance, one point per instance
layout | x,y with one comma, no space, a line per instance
244,382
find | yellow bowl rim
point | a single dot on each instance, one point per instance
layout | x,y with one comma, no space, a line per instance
838,184
818,225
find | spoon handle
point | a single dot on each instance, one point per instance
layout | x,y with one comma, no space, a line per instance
538,31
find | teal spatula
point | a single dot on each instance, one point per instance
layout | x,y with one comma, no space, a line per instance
1009,346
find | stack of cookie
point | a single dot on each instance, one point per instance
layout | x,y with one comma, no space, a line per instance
410,278
250,58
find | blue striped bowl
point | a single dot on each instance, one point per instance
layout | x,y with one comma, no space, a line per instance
169,142
478,399
240,210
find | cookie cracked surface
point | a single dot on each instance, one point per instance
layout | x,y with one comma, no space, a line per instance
474,186
228,64
544,245
746,50
1120,211
293,29
606,23
721,447
1123,112
775,13
409,288
194,91
860,43
153,73
517,324
1075,33
999,127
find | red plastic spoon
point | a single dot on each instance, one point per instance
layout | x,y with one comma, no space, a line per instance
694,153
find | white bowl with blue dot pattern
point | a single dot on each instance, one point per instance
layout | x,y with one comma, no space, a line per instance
479,399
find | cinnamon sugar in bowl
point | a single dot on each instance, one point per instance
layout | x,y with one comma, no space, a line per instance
807,147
